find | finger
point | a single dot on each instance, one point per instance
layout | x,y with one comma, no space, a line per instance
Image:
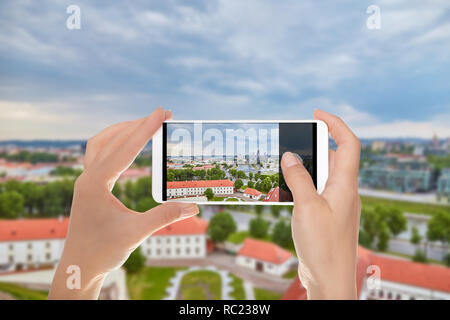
148,222
115,141
123,135
122,157
331,155
346,160
298,179
95,144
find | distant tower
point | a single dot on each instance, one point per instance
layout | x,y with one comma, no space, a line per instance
435,141
258,161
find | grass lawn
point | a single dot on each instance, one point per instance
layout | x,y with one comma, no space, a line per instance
194,285
405,206
238,292
150,283
290,274
238,237
261,294
218,199
22,293
407,256
232,200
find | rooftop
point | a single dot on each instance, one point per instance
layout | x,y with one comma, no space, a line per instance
265,251
199,184
252,192
33,229
189,226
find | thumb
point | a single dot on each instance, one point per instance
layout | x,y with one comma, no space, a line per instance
297,178
163,215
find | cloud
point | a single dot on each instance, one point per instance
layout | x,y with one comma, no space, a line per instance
221,59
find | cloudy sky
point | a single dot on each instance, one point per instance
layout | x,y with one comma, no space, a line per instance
224,59
187,139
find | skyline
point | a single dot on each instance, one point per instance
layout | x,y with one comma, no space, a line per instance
217,60
219,139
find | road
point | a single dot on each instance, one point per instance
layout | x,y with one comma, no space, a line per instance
411,197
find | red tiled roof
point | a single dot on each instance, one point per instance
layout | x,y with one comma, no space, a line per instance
265,251
295,291
135,172
391,269
199,184
33,229
252,192
273,195
413,273
189,226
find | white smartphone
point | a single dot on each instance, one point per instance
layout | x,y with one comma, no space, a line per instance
234,162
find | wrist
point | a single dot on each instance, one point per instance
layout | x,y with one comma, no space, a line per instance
75,279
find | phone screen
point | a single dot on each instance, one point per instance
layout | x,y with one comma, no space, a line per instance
233,161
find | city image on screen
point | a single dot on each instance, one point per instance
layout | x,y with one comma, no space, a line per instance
232,161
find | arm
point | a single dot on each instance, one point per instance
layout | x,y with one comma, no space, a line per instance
325,227
102,231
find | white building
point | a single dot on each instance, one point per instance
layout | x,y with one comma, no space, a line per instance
183,239
265,257
27,243
178,189
252,194
399,279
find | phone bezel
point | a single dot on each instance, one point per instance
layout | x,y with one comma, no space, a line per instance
321,158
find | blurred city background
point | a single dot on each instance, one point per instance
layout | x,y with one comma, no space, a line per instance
227,60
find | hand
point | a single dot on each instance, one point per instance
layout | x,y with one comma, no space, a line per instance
102,231
325,227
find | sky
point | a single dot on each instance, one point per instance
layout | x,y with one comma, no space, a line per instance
224,59
218,139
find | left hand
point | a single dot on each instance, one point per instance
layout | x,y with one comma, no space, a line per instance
102,231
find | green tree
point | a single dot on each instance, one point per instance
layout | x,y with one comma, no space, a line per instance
275,210
251,184
221,226
394,218
447,259
238,184
145,204
439,228
281,234
130,191
11,204
416,238
209,194
135,262
143,188
258,228
250,175
117,191
419,256
32,194
384,236
259,209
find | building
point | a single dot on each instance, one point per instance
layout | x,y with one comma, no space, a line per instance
29,243
397,172
183,239
399,280
378,145
273,195
252,194
443,184
265,257
179,189
134,174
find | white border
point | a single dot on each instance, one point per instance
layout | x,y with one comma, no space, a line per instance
322,159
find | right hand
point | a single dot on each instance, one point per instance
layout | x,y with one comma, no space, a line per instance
325,227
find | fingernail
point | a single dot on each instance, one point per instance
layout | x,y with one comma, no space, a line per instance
189,210
168,114
289,159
